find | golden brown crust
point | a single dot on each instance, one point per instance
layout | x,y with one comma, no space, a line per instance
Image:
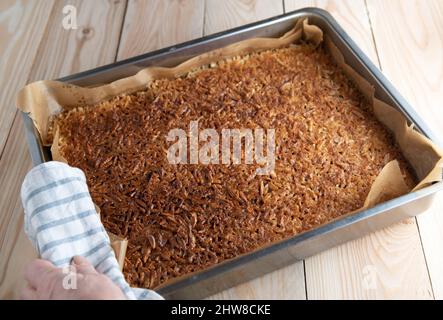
183,218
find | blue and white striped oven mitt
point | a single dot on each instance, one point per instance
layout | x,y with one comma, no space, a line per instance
61,222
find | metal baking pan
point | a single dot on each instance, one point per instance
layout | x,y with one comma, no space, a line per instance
278,255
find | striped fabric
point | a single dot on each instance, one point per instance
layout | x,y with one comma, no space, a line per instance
61,222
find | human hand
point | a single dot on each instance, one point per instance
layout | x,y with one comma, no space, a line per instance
47,282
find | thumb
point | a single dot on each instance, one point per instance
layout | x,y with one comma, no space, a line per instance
82,265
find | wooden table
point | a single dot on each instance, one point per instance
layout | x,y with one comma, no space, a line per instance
404,38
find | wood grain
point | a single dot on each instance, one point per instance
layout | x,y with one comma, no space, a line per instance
350,14
60,52
287,283
22,25
342,272
227,14
409,36
15,249
93,44
388,264
431,225
154,24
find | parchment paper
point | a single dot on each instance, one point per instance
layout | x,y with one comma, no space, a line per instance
45,99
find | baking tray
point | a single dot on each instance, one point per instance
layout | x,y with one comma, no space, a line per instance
278,255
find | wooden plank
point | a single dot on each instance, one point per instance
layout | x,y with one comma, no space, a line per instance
227,14
350,14
15,249
60,52
22,25
431,225
386,264
69,51
409,37
155,24
287,283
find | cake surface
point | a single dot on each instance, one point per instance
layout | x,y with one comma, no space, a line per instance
182,218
